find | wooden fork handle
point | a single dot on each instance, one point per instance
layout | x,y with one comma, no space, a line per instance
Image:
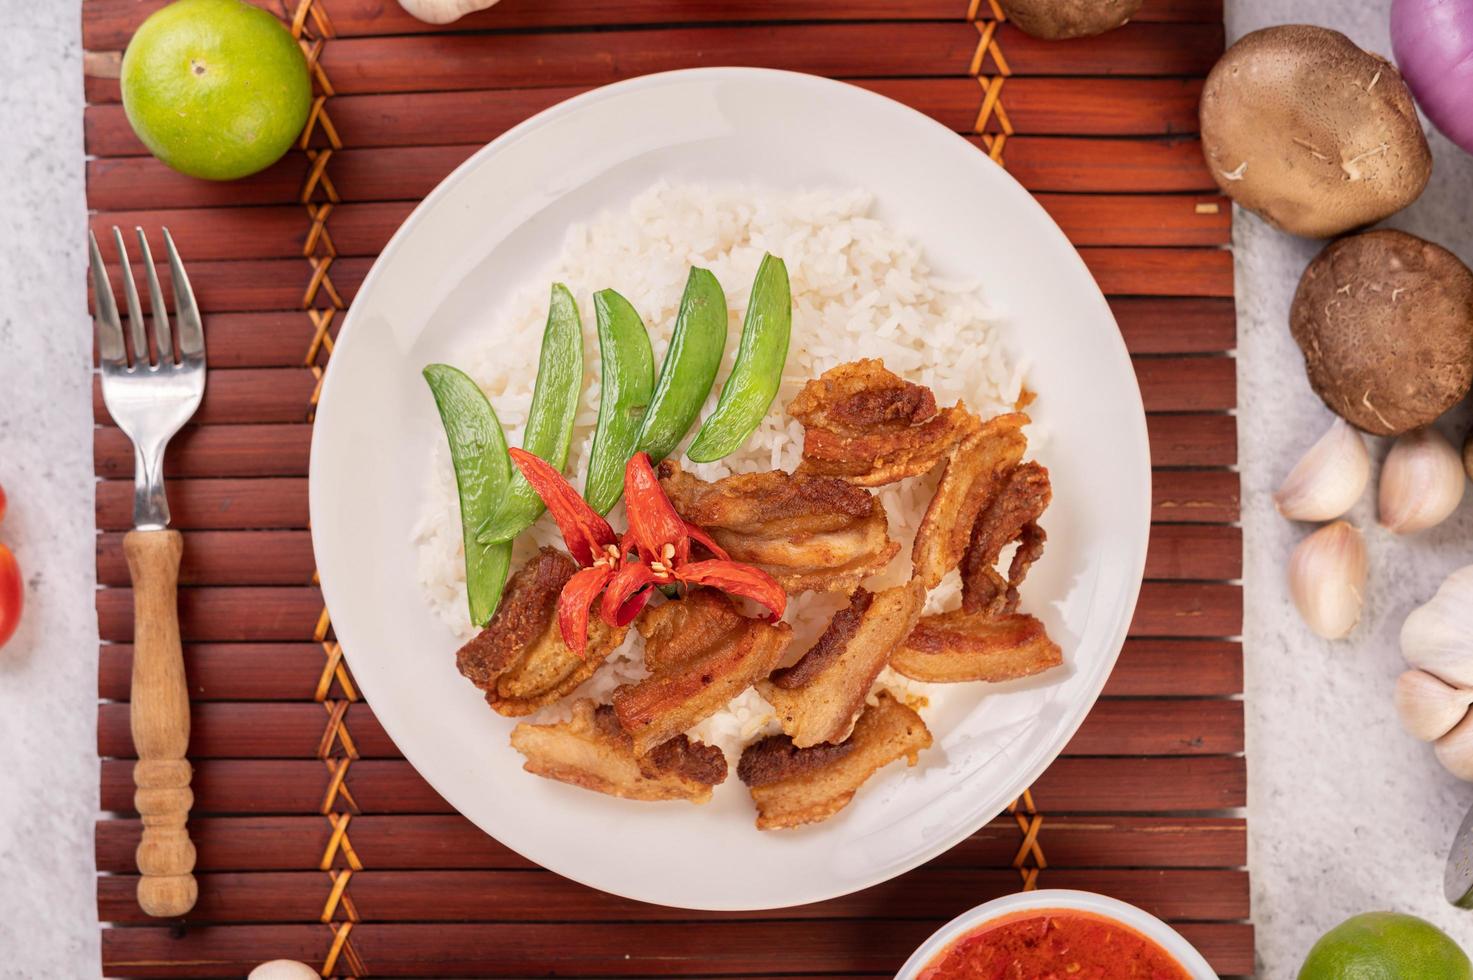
160,722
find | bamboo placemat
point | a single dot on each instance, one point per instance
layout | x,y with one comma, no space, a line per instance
316,840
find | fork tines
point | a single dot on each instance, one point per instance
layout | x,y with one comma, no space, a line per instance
135,351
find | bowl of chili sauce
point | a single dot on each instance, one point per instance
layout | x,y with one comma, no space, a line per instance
1056,933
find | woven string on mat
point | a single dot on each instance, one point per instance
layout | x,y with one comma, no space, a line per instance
322,303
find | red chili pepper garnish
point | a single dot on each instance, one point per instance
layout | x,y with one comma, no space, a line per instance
654,551
575,602
585,532
653,521
739,579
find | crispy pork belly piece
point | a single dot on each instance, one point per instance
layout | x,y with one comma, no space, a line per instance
968,646
667,703
679,630
519,659
591,750
975,473
817,698
812,534
527,606
793,786
868,426
1011,515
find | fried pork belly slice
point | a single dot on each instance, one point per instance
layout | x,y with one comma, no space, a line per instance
591,750
1011,515
968,646
527,606
667,703
793,786
870,427
817,698
678,631
975,472
519,659
549,670
812,534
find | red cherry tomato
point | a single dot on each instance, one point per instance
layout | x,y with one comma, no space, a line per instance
11,594
12,591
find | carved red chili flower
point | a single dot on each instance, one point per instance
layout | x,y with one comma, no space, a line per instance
655,551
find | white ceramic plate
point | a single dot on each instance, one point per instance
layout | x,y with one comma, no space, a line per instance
500,217
1060,898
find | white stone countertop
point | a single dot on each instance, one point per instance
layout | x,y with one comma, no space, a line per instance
1346,813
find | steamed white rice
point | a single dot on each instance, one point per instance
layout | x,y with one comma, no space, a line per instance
860,289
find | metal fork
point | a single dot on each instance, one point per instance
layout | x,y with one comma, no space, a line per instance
150,391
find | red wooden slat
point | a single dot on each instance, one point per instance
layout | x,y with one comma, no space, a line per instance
409,173
453,842
515,896
284,730
1071,785
288,671
1195,496
283,613
364,229
284,557
109,23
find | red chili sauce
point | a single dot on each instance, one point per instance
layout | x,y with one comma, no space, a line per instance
1054,944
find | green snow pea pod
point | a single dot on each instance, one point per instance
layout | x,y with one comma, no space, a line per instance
696,346
482,469
549,429
628,380
757,373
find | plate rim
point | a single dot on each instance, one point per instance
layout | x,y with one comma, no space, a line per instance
1117,635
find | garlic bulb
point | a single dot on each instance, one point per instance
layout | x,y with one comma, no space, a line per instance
1421,482
1327,578
443,11
1455,749
1438,636
1329,479
1427,707
283,970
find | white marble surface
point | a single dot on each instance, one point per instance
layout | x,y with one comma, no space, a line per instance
48,671
1346,812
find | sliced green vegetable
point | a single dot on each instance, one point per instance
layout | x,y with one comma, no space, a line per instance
482,469
690,365
628,380
549,430
758,370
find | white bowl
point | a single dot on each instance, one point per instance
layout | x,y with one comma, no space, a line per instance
1060,898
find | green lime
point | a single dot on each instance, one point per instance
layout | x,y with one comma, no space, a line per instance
1385,946
215,88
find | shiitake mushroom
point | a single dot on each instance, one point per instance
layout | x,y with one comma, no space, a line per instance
1385,321
1056,19
1314,134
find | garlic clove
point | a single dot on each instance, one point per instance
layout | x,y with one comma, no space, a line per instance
443,11
1329,479
1455,749
1438,635
283,970
1427,707
1468,454
1421,482
1327,578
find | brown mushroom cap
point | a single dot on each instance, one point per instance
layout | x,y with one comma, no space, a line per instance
1385,321
1311,132
1055,19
